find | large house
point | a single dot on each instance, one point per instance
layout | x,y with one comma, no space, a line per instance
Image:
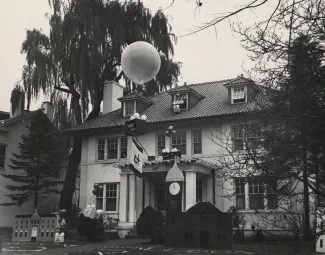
205,109
12,126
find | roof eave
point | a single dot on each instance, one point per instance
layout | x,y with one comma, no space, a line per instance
88,130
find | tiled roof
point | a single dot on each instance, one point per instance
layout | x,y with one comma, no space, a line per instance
8,121
134,95
184,88
213,104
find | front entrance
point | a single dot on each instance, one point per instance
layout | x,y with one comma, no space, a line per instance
204,239
160,199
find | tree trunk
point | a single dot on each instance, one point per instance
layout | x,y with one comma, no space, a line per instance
36,191
73,163
75,156
306,198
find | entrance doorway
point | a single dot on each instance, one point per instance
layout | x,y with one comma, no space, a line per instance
204,239
160,199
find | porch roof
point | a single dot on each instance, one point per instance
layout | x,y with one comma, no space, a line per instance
185,161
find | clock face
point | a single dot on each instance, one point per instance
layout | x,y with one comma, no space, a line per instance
174,188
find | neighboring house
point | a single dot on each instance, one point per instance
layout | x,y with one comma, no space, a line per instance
207,108
12,126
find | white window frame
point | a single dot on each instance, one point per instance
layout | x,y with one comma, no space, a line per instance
182,95
238,93
174,145
134,108
157,143
104,196
119,138
3,156
196,142
243,136
248,194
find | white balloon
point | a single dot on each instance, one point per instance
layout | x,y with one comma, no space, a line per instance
140,62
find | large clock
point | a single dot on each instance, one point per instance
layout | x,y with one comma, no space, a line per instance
174,188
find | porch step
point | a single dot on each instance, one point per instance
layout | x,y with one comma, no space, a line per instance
134,235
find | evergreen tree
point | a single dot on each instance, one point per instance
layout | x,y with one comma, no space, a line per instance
36,169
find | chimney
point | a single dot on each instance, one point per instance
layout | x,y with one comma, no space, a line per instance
48,109
17,103
112,91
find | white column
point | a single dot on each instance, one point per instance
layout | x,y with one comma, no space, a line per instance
190,189
83,187
123,197
146,193
132,199
152,195
246,197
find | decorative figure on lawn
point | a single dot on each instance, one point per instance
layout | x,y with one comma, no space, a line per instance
91,225
62,221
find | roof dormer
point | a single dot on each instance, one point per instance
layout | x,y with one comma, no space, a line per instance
133,103
240,90
184,98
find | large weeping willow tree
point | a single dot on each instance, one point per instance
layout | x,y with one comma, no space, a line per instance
84,49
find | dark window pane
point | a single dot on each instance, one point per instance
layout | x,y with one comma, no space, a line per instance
272,201
112,148
256,201
110,204
240,202
100,149
124,147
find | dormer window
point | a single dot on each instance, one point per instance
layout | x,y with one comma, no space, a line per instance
238,95
181,100
129,108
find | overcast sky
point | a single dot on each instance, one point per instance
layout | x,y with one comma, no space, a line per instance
206,56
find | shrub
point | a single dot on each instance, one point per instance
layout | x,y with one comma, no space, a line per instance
239,223
151,223
92,229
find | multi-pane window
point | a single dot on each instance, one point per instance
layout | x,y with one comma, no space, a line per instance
129,108
179,142
261,192
197,141
160,143
238,95
2,155
112,148
198,191
107,198
237,137
256,193
272,196
252,138
124,147
101,149
242,138
111,197
240,193
181,100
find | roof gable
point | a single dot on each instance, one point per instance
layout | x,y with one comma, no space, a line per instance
205,208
